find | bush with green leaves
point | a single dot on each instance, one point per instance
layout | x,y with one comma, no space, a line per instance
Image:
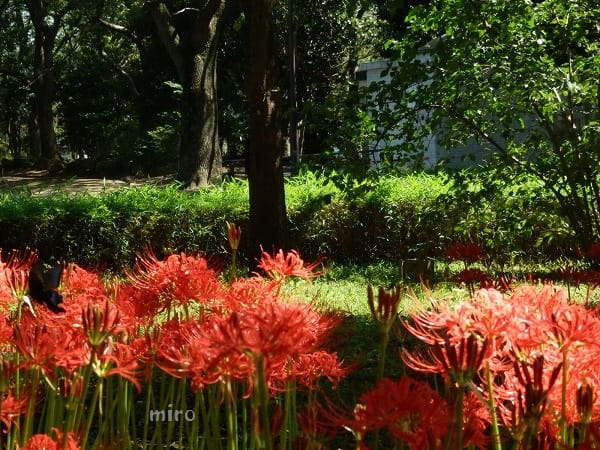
380,218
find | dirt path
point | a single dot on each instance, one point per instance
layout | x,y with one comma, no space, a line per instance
39,182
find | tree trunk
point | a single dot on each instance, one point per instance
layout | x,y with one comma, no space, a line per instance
268,221
191,38
200,158
44,84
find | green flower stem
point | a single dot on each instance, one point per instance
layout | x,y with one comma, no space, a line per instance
183,407
262,403
171,405
74,404
289,430
194,434
233,266
91,412
149,392
231,412
28,427
457,421
385,339
492,407
125,415
205,416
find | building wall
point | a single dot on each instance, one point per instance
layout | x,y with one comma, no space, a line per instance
433,152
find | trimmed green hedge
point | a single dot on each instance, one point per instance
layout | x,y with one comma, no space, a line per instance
385,218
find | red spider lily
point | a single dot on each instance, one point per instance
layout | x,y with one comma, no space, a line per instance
280,266
249,293
37,343
11,408
271,330
224,347
177,279
573,325
45,442
234,235
589,277
6,332
50,345
14,276
307,369
593,252
466,252
476,422
387,305
502,284
472,276
100,322
122,360
582,276
137,307
585,402
187,350
13,286
18,259
460,362
442,323
80,286
410,410
536,386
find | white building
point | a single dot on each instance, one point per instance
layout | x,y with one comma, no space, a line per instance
434,152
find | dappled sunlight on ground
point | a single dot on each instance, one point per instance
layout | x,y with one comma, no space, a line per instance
40,182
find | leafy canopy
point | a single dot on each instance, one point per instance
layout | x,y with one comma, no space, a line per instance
521,78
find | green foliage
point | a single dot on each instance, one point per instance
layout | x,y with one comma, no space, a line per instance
520,78
513,217
389,218
111,228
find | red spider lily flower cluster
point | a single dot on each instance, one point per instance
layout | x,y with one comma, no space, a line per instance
160,285
466,252
524,363
409,409
287,336
474,276
46,442
173,315
589,277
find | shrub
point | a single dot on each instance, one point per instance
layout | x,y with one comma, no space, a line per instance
386,218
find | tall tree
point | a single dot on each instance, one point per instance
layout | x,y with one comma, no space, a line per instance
191,37
47,19
15,75
268,218
522,78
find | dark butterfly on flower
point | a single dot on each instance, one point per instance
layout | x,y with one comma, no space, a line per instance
43,286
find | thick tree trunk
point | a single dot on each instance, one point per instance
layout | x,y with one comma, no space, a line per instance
44,84
200,158
268,221
191,38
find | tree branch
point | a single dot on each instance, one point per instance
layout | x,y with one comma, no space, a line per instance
119,69
167,33
120,29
